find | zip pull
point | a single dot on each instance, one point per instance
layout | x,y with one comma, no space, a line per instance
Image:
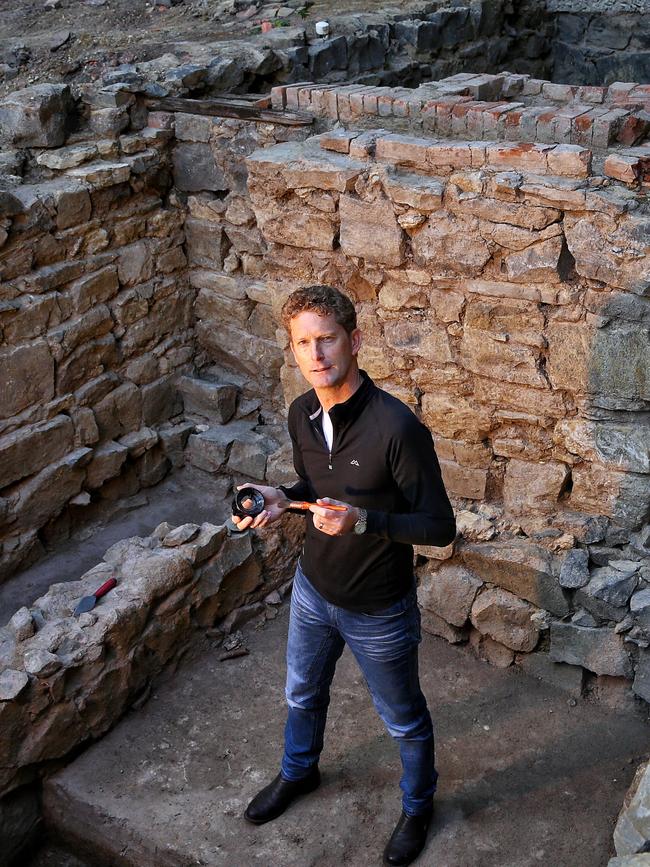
330,461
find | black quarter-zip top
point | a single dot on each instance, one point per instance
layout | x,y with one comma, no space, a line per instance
383,460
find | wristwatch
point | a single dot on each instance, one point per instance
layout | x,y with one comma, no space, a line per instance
362,521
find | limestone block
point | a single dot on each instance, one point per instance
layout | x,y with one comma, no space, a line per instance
574,571
404,150
173,440
603,491
210,449
93,324
139,441
418,191
447,306
67,157
455,417
239,349
525,569
246,240
370,230
214,307
26,377
533,488
152,467
94,288
248,459
448,592
526,216
106,463
120,412
624,445
542,403
505,618
135,264
206,243
293,166
28,450
44,495
195,168
619,363
435,625
466,482
483,351
213,400
569,355
517,238
102,174
193,127
36,116
489,650
412,335
538,262
449,243
598,650
160,401
473,527
507,320
613,251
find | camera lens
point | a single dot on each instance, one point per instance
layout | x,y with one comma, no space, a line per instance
247,503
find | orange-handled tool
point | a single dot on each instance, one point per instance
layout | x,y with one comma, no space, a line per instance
300,504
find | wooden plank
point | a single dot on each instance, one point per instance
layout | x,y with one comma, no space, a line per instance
238,108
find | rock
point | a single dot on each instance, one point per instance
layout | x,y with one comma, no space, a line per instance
524,569
12,683
603,491
640,607
491,651
41,663
632,834
533,488
206,544
474,527
436,625
539,262
210,449
448,592
22,625
106,463
212,400
574,571
207,243
173,441
505,618
641,685
327,55
450,244
139,441
612,586
195,169
160,401
26,377
181,535
58,39
28,450
622,445
597,650
583,618
37,116
248,459
412,334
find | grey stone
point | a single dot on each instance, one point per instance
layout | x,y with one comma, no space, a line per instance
583,618
248,459
22,625
152,467
640,607
207,243
574,571
632,831
173,441
195,169
212,400
139,441
206,544
26,377
181,535
598,607
44,495
524,569
37,116
641,684
448,592
160,401
597,650
106,463
41,663
327,55
612,586
12,683
28,450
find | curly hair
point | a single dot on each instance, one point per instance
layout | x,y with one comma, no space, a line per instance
324,300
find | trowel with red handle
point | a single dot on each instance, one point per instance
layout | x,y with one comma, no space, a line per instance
89,602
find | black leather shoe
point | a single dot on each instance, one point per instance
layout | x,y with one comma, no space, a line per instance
407,840
274,799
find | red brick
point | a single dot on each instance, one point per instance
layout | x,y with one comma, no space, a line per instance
634,129
279,96
292,93
527,156
447,155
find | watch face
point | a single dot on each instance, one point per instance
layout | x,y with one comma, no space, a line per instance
360,526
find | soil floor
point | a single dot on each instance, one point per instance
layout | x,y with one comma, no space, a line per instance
528,775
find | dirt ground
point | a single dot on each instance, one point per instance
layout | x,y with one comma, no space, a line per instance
78,40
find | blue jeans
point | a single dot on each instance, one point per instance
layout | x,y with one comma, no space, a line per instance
385,645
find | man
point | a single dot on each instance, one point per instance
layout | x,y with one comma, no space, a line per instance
356,446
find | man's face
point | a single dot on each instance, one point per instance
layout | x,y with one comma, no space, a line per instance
323,349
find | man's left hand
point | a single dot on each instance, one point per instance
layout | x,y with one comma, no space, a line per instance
331,522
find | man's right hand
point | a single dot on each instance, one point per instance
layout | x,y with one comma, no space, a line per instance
273,511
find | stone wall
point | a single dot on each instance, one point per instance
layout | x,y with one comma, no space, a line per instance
95,313
600,41
65,680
